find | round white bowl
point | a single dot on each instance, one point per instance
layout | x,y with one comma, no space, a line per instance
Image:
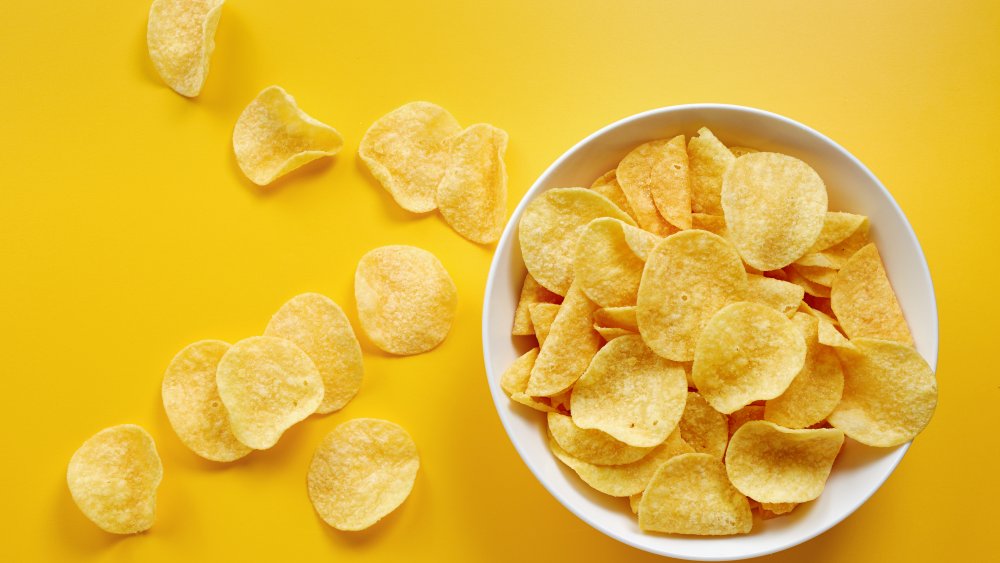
860,470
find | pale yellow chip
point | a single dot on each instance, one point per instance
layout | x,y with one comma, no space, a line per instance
267,384
113,479
816,390
273,136
706,429
361,471
542,316
816,274
610,257
688,277
560,401
821,315
657,173
191,401
837,226
607,185
591,446
472,195
890,393
610,333
837,255
740,151
406,152
772,464
691,494
633,502
515,380
710,160
774,509
783,296
406,299
864,301
319,326
748,352
617,317
808,286
830,336
743,416
569,346
712,223
531,293
180,37
630,393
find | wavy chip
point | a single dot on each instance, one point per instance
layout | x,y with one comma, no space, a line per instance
783,296
742,416
710,160
837,255
515,380
180,37
656,173
591,446
864,301
706,429
816,274
472,195
607,185
531,293
830,336
808,286
569,346
610,257
542,316
715,224
837,226
739,151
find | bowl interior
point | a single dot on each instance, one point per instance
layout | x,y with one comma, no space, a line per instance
859,470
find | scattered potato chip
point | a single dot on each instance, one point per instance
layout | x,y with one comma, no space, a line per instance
531,292
472,195
560,401
830,336
569,347
715,224
542,316
805,308
191,400
743,416
691,494
710,160
607,185
654,175
837,226
361,472
267,384
771,464
273,136
816,274
405,151
633,502
838,254
740,151
809,287
610,257
318,326
688,277
591,446
864,301
630,393
705,428
406,299
617,317
774,509
180,37
515,380
610,333
113,479
889,393
783,296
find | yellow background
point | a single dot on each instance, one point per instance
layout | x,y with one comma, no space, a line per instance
127,231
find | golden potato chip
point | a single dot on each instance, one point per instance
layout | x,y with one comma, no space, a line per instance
273,136
715,224
747,352
740,151
617,317
319,326
569,346
610,257
406,299
191,400
774,509
691,494
267,384
710,160
560,401
180,37
542,315
783,296
405,151
531,292
607,185
837,226
688,277
810,287
591,446
864,301
743,416
361,472
515,380
657,173
816,274
830,336
610,333
113,479
837,255
472,195
805,308
706,429
771,464
605,179
630,393
816,390
889,393
633,502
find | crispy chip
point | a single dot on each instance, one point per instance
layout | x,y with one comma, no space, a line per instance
267,384
837,255
610,257
113,478
783,296
864,301
180,37
740,151
319,326
542,315
361,472
747,352
837,226
810,287
690,494
515,380
805,308
657,173
774,509
743,416
889,393
816,274
830,336
705,428
191,400
607,185
273,136
406,299
715,224
630,393
771,464
688,277
709,161
617,317
406,152
569,346
610,333
560,401
531,292
472,195
633,502
591,446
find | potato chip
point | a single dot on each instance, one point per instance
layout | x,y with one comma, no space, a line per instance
560,401
515,380
889,393
591,446
531,292
657,173
273,136
610,257
782,296
617,317
688,277
610,333
691,494
472,195
864,301
630,393
633,502
771,464
774,509
715,224
406,299
550,228
406,152
705,428
113,479
740,151
837,226
830,336
319,326
809,287
542,316
267,384
191,400
743,416
816,274
622,480
709,161
747,352
816,390
837,255
805,308
569,346
607,185
361,472
180,37
774,206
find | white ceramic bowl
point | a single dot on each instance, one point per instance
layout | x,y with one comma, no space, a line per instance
860,470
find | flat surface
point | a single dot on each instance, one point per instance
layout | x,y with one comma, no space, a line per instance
127,231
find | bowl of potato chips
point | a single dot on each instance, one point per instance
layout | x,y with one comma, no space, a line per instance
710,332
